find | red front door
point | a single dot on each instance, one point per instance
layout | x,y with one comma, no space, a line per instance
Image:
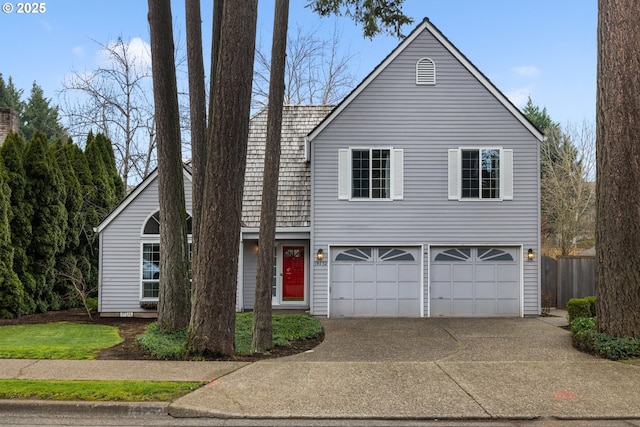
293,273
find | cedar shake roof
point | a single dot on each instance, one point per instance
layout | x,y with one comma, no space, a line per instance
294,185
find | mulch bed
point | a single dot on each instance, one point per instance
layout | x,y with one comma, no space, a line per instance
132,327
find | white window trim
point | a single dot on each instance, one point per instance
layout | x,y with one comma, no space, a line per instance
455,175
143,242
345,171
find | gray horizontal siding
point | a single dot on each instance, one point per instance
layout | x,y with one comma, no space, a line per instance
425,121
121,251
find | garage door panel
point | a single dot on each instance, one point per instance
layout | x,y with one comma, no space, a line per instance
364,290
386,273
363,273
462,307
477,281
386,290
462,289
485,290
508,290
408,273
440,273
485,273
376,281
409,291
440,290
364,308
462,273
508,273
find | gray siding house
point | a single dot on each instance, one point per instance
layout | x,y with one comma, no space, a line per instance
417,196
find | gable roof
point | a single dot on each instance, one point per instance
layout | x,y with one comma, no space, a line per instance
426,25
294,189
294,184
186,172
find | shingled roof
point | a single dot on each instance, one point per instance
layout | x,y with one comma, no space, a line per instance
294,185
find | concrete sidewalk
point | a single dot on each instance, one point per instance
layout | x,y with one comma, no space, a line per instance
458,369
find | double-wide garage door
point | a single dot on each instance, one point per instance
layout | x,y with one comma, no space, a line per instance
469,281
374,281
463,281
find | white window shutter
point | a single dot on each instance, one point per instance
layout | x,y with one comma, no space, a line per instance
454,174
344,175
397,174
506,181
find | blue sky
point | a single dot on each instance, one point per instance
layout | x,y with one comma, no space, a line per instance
543,48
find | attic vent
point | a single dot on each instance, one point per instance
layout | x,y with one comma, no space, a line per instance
425,72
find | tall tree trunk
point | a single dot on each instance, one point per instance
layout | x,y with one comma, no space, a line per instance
198,113
174,294
262,336
212,327
618,168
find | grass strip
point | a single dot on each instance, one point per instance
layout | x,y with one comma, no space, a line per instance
60,340
123,391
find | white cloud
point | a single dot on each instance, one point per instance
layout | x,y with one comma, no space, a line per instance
136,51
519,96
78,51
526,71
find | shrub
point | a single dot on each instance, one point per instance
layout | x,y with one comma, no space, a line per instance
579,307
587,338
592,305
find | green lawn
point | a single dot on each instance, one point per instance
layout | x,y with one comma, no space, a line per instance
124,391
56,340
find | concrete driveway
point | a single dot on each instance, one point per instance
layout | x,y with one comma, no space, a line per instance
481,369
443,339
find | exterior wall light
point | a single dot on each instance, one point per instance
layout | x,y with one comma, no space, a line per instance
530,255
320,255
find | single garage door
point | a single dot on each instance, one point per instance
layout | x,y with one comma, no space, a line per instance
467,281
374,281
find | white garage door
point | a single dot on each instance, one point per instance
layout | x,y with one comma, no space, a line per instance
369,281
475,281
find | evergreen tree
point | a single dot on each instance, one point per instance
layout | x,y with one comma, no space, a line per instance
12,298
67,279
109,160
105,196
86,253
39,115
10,96
46,192
12,152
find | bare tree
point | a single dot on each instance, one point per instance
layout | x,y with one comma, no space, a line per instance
115,100
316,72
262,336
568,187
618,168
174,295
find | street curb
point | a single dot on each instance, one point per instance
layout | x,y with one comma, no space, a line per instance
96,408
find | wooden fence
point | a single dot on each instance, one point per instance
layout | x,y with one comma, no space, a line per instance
568,277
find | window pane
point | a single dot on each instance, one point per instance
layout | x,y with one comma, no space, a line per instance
360,173
490,174
470,173
381,174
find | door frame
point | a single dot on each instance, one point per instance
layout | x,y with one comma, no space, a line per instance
277,299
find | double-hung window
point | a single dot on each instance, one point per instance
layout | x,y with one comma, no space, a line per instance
370,174
480,174
150,260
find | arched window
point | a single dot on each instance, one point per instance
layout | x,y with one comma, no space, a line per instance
425,72
152,226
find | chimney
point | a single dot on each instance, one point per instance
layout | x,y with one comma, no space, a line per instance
9,121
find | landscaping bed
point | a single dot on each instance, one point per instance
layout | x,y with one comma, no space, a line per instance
132,327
